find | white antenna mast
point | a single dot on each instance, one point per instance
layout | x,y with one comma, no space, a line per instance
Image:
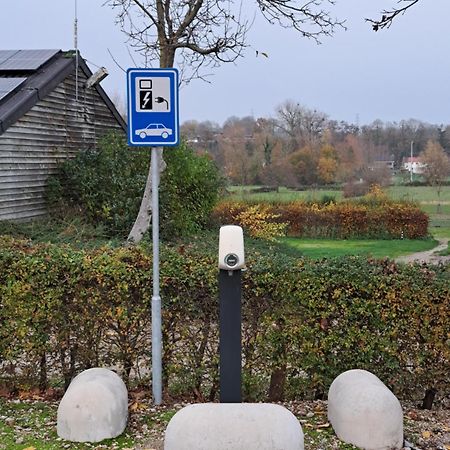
75,39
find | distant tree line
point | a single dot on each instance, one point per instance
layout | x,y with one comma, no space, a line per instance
301,146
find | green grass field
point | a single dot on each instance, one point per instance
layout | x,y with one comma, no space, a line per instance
327,248
283,195
425,196
420,194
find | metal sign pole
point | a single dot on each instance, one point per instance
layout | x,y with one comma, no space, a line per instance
153,120
156,299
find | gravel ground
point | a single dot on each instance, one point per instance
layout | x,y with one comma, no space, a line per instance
29,424
422,429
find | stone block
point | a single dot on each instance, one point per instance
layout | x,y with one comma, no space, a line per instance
94,407
364,412
234,426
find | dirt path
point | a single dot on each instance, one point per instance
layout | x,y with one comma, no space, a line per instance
430,256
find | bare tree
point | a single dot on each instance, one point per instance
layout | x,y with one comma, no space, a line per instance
437,167
195,34
303,126
388,15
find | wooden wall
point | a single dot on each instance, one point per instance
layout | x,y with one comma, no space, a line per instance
54,129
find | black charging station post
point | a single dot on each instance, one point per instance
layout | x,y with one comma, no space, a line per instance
231,263
230,336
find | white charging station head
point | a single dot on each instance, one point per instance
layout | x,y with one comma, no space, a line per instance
231,248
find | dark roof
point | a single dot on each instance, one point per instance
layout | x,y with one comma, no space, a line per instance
27,76
24,60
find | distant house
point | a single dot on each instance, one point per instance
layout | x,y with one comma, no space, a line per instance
382,164
49,111
414,165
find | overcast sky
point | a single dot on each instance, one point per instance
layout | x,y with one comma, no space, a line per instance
357,75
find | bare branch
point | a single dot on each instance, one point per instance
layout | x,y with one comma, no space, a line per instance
389,15
196,34
115,61
309,19
194,9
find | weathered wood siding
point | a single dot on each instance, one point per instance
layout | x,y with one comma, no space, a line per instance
53,130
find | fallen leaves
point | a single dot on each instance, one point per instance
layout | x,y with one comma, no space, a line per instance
137,406
413,415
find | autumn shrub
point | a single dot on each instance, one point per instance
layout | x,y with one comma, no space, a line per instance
63,310
374,217
260,222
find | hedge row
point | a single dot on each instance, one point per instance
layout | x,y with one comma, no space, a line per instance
63,310
342,220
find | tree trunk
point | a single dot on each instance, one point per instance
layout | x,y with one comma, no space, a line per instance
43,382
439,210
144,217
277,383
428,400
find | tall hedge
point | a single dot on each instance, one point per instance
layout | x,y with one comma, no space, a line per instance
63,310
342,220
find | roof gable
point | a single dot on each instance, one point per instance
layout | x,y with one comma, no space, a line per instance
36,74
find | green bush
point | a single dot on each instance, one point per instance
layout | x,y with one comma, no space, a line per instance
190,188
304,322
107,183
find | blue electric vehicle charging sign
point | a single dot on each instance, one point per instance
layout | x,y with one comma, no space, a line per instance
153,117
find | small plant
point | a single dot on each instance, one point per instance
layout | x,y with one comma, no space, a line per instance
376,196
327,199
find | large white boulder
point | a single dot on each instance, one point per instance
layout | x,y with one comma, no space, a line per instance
94,407
234,426
364,412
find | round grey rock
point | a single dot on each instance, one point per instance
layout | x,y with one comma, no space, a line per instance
94,407
234,426
364,412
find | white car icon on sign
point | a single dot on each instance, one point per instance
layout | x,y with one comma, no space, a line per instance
154,129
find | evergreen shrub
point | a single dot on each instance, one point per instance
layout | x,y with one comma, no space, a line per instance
108,182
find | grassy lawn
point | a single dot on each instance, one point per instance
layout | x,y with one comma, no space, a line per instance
283,195
324,248
421,194
425,196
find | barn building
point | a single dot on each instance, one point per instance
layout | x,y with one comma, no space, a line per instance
49,111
